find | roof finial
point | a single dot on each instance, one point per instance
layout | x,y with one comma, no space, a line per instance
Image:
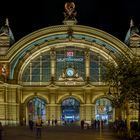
131,23
70,13
7,22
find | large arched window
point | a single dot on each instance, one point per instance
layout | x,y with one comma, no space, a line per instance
38,70
97,67
70,57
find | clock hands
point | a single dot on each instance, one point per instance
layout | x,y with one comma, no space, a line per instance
70,72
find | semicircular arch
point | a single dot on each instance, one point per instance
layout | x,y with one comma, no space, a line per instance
21,66
30,97
95,39
66,96
101,96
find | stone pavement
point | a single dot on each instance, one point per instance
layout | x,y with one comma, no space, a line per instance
59,133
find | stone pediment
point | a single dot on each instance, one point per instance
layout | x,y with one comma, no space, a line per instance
88,86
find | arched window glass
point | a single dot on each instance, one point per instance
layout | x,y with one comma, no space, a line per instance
70,102
97,67
70,57
38,70
26,75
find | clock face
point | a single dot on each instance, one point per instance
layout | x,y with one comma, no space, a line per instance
70,72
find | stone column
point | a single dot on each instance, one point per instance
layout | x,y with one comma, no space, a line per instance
89,112
88,106
58,113
93,111
53,63
82,112
113,115
52,107
51,111
87,64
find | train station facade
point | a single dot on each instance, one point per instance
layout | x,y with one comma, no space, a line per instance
58,72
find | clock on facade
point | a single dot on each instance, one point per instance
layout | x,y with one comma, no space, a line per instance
70,72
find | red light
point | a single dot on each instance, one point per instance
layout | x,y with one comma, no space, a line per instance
70,53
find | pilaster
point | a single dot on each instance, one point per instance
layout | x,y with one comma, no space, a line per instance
53,62
87,63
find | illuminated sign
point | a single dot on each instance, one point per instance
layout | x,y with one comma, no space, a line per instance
70,53
69,59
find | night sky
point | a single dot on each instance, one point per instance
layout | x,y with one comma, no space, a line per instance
112,16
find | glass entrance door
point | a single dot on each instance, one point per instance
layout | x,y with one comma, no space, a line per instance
104,111
70,110
36,108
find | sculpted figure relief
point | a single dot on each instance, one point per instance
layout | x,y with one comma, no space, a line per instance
69,11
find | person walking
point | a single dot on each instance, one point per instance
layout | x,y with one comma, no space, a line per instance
55,121
38,127
31,124
82,124
48,122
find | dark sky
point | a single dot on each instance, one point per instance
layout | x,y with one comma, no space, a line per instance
112,16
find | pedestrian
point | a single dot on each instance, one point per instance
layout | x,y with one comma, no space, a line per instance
38,127
1,129
48,122
55,121
82,124
31,124
95,123
98,124
52,122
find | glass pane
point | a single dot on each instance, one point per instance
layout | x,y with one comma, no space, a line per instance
70,56
97,67
70,110
39,70
37,108
104,110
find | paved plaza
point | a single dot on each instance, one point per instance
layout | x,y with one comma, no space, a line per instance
59,133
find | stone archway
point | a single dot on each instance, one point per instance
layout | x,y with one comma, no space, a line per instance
104,110
70,110
36,107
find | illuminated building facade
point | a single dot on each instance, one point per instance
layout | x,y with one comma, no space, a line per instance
57,72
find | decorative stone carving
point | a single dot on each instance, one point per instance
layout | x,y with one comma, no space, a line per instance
53,53
69,11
